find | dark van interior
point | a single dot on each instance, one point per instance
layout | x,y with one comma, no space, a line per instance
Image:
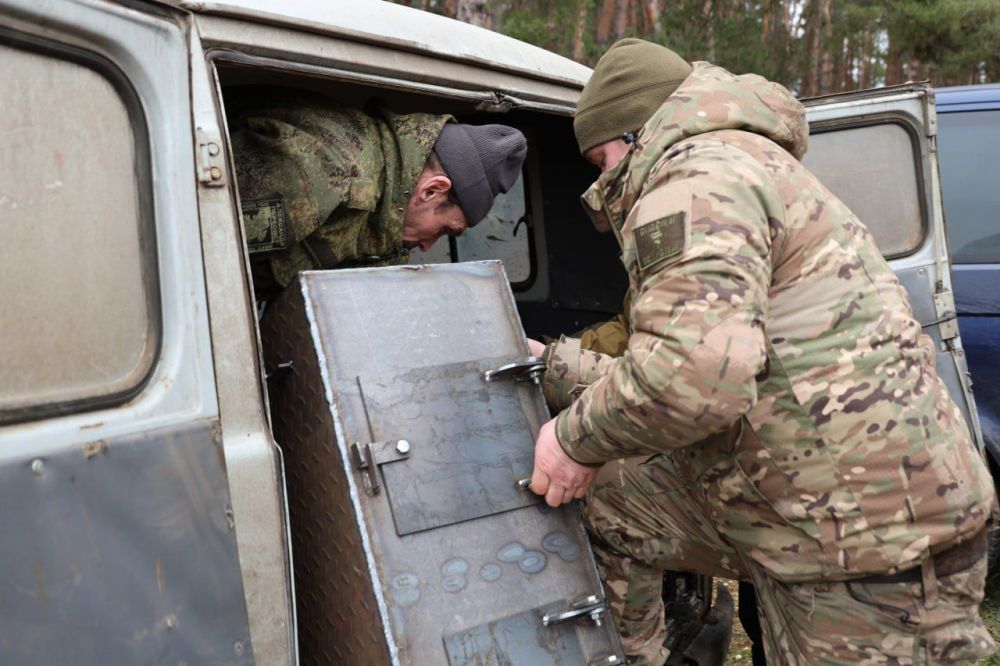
564,274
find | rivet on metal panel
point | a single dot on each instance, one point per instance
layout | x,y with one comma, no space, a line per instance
238,648
213,149
403,447
37,466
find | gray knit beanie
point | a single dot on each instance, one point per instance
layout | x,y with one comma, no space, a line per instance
482,161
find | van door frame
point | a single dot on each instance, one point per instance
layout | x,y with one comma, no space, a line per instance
928,267
124,552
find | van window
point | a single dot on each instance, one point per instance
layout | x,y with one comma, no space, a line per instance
875,171
503,234
969,150
80,323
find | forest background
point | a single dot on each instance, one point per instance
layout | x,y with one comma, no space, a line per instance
814,47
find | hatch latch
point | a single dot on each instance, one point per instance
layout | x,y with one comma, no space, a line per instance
368,456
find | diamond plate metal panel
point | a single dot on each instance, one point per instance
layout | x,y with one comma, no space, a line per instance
366,594
337,616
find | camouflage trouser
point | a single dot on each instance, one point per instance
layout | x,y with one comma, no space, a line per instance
639,529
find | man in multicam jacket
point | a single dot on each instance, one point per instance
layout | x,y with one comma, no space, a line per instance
776,415
327,186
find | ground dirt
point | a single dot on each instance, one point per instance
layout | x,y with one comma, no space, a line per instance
739,650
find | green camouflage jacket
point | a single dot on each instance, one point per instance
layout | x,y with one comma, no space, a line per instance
760,302
325,186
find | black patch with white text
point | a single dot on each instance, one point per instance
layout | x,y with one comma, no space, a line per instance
659,240
266,225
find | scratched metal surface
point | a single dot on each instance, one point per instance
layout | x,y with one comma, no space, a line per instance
471,443
457,577
518,639
122,552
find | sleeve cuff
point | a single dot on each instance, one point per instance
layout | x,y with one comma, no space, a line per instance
583,447
562,372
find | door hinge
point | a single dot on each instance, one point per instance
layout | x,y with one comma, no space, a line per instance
498,103
211,166
947,318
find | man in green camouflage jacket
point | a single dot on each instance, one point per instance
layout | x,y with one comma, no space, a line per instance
776,415
327,186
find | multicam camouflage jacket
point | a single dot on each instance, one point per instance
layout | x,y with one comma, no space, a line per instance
326,186
760,302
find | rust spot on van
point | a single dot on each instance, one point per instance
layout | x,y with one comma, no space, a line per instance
91,449
91,426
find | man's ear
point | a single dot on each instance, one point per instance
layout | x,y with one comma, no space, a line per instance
435,185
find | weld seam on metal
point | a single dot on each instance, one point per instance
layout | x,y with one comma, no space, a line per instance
383,608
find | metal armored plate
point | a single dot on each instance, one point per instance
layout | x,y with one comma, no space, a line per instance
470,439
518,639
394,354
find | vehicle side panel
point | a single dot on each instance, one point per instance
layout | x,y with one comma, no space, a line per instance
128,555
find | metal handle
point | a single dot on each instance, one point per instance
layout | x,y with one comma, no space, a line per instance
528,369
590,606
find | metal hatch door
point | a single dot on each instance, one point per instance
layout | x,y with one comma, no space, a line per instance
419,455
877,151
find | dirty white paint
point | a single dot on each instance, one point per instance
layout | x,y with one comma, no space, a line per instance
406,28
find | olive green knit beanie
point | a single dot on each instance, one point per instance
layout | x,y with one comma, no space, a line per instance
631,80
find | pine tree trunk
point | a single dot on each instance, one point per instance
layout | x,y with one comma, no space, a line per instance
651,12
866,59
846,78
622,11
810,64
893,61
579,30
605,17
826,46
475,12
708,11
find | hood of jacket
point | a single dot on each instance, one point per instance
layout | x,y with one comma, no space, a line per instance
709,100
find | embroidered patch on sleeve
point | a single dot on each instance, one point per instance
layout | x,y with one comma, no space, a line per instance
266,225
660,240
